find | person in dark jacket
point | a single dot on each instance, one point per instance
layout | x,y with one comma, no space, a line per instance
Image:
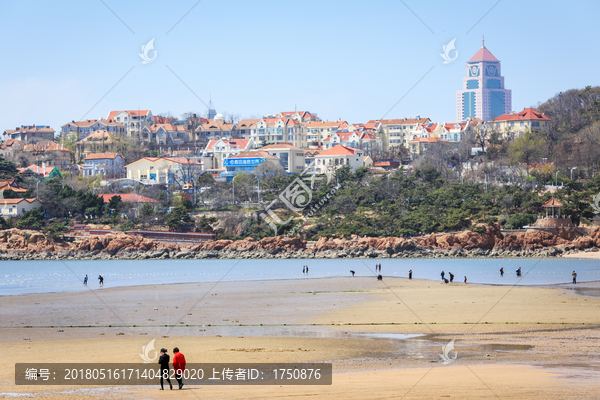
163,360
178,366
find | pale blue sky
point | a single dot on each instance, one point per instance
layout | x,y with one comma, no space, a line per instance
341,59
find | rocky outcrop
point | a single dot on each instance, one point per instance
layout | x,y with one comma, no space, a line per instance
121,242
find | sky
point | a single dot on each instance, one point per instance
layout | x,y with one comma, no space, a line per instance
350,60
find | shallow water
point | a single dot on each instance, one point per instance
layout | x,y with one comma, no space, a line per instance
22,277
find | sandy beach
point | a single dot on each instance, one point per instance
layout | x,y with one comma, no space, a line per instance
511,342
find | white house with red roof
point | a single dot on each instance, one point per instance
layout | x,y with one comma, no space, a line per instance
214,129
318,131
337,157
457,131
16,207
279,130
134,120
425,131
85,128
220,149
513,125
420,145
29,133
110,165
164,169
395,132
483,94
300,116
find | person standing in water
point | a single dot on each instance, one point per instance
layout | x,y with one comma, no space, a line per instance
85,280
574,275
410,274
501,271
443,274
451,275
100,280
519,272
303,269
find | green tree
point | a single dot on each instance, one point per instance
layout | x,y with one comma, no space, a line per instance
147,210
178,218
526,149
32,219
204,224
113,204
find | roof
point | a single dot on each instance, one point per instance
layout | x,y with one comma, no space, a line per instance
279,146
215,125
525,115
322,124
430,139
101,156
247,123
171,159
130,197
10,184
32,128
483,55
552,203
166,127
16,201
100,135
338,150
236,143
400,121
10,143
254,154
36,169
111,115
430,127
45,146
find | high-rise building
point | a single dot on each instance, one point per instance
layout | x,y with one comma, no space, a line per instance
483,94
210,112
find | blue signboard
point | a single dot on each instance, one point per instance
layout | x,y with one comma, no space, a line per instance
232,162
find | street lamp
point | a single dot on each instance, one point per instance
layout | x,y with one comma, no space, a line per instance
258,188
572,172
556,179
37,196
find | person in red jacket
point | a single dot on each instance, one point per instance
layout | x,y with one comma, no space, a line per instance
178,366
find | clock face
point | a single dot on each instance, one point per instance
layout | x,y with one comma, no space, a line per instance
474,70
491,70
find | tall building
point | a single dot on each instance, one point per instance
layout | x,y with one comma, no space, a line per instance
210,112
483,95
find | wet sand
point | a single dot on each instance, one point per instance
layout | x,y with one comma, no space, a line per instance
514,342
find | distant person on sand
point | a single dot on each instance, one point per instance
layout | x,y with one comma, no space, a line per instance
465,279
303,269
352,272
445,281
410,274
85,280
443,274
178,366
451,276
307,270
100,280
574,275
379,277
164,368
501,271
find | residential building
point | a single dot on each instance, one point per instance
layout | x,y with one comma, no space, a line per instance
309,157
395,132
247,163
164,169
51,153
37,171
29,133
318,131
420,145
109,165
85,128
278,130
455,132
245,128
300,116
367,162
290,157
220,149
357,139
425,131
214,129
483,94
101,141
513,125
165,134
337,157
10,184
387,164
134,120
11,147
16,207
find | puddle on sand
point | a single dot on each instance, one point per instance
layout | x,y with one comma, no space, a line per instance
504,347
579,371
16,395
398,336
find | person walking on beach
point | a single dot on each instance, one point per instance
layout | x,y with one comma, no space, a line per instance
465,279
85,280
451,275
178,366
410,274
443,274
163,360
307,270
100,280
501,272
574,275
303,269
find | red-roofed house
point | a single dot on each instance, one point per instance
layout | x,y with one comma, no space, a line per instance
515,124
16,207
337,157
425,131
420,145
134,120
129,197
53,154
279,130
165,134
357,139
29,134
85,128
10,184
11,147
220,149
290,157
110,165
300,116
318,131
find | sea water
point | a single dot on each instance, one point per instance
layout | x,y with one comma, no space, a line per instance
23,277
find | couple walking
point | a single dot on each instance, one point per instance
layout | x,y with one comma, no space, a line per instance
178,366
